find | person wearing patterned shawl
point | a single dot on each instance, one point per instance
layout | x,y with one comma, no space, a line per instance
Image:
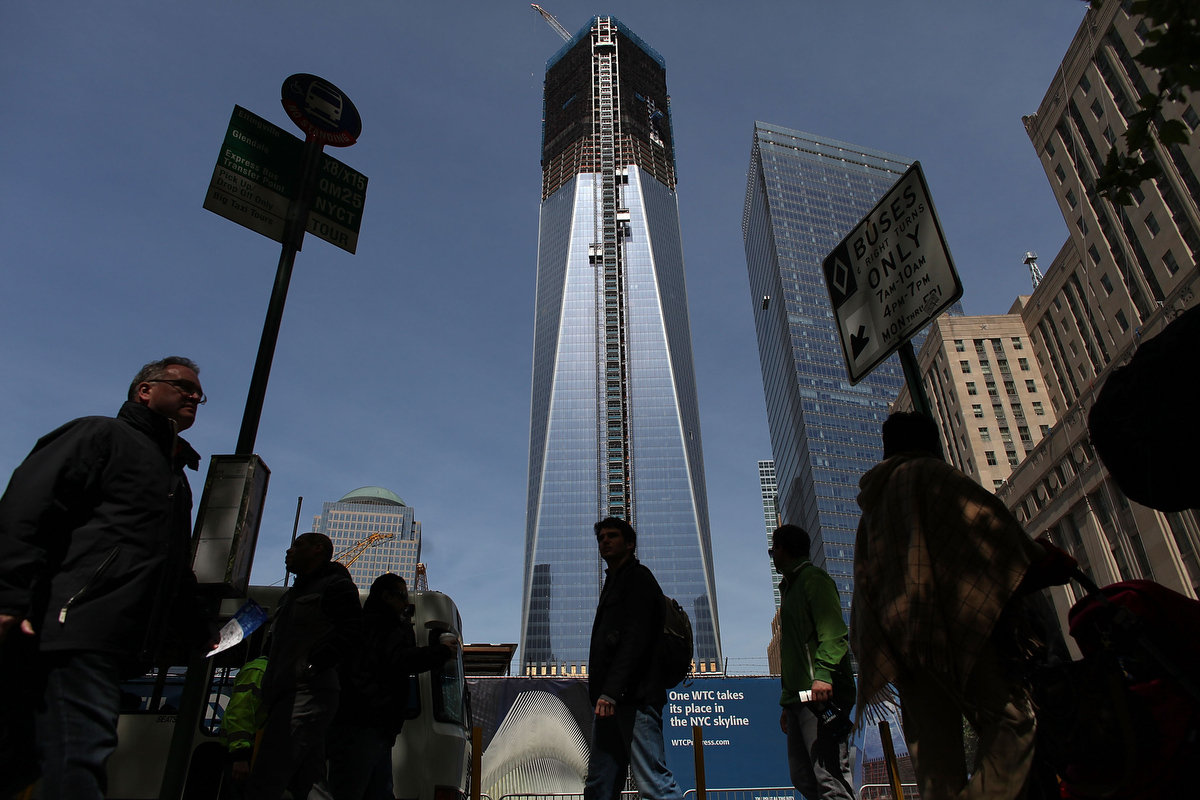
940,566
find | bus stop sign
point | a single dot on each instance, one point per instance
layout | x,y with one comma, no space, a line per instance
891,276
321,110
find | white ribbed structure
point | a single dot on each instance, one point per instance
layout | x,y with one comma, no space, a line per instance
538,749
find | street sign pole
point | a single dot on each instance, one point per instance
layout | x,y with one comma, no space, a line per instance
293,238
912,376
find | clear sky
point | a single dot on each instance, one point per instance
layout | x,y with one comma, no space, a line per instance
408,365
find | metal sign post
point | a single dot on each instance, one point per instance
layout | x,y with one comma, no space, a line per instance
266,180
890,277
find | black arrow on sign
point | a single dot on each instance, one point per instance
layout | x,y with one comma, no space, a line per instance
859,341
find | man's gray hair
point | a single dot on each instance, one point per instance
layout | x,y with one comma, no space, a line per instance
155,370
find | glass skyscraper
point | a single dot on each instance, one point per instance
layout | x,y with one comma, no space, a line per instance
804,194
614,424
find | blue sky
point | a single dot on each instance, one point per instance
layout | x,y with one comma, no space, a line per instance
408,365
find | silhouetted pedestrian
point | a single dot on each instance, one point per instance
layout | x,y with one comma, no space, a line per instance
624,676
938,564
317,625
95,566
375,689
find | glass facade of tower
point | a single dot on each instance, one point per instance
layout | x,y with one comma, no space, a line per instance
770,492
614,423
804,194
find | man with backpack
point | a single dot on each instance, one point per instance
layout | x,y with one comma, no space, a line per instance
818,680
625,675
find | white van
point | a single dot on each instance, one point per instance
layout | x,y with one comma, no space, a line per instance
431,759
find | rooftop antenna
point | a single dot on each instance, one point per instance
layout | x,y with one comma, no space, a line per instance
1035,274
559,29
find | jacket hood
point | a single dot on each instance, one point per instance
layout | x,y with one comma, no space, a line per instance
158,428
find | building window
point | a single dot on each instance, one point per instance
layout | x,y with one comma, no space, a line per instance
1050,148
991,387
1094,254
985,367
1016,342
990,455
998,410
1170,262
985,434
1005,434
1023,363
1038,410
1097,109
959,347
1074,349
1012,458
1030,387
1085,84
1124,323
1002,363
1152,224
946,372
1191,118
971,388
1083,228
1018,411
978,409
1106,283
966,367
1138,196
979,348
963,438
997,483
1024,433
1142,31
1058,171
1071,201
1109,136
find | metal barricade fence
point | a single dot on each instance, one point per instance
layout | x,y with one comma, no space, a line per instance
887,787
626,795
749,793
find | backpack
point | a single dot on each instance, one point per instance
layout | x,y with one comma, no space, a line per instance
676,644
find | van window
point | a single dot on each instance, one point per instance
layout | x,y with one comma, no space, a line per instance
414,698
448,687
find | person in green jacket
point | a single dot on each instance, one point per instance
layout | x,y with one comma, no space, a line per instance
244,715
818,681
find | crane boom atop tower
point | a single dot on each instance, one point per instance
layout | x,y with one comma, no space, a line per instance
563,32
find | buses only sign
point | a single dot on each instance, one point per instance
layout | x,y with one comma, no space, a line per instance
891,276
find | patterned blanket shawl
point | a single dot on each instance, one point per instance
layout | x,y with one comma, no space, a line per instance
936,558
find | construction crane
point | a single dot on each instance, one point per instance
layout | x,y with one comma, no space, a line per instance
352,553
422,579
559,29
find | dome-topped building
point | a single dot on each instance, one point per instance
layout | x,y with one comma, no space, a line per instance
373,532
373,495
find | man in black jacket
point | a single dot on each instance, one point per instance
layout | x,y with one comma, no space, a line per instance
317,625
375,688
624,675
95,568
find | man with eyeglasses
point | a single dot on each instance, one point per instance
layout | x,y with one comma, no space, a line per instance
95,578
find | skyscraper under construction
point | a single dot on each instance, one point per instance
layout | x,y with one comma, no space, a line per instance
614,424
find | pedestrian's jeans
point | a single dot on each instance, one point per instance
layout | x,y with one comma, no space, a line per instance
819,763
360,762
633,737
75,722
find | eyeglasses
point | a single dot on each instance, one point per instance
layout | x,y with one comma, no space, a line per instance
185,387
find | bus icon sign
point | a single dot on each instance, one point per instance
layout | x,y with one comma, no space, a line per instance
321,110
